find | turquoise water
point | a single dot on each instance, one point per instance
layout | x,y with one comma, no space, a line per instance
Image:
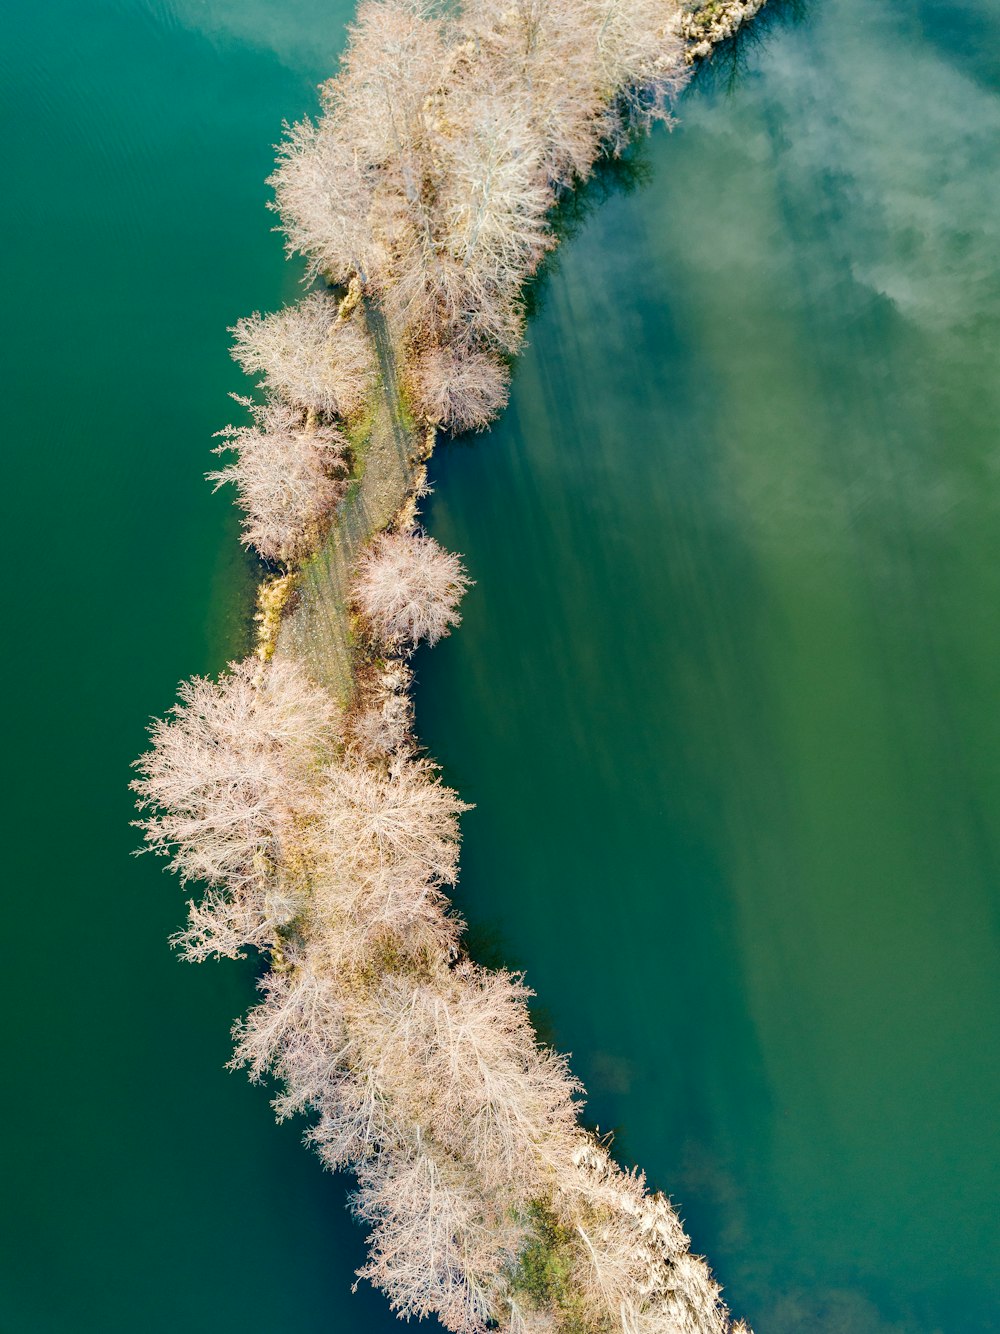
145,1188
724,694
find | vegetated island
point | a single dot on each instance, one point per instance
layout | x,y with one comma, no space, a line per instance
292,788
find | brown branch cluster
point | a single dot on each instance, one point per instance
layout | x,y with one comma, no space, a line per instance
408,589
289,473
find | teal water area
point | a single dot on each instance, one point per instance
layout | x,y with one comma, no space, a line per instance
145,1188
724,693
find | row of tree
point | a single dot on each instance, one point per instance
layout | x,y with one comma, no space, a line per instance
427,185
445,140
322,837
330,844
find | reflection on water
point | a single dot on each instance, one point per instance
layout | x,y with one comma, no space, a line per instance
725,689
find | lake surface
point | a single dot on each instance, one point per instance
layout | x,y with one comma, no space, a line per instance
725,692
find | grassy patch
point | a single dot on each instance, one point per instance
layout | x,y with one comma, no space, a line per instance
543,1278
359,431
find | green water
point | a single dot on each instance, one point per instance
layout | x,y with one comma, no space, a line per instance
145,1189
724,694
726,690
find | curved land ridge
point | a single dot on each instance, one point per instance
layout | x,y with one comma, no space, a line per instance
292,788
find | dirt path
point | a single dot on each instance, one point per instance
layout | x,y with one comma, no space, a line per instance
316,629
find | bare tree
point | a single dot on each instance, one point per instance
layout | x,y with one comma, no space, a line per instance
607,1210
385,844
408,588
438,1246
461,280
227,783
458,388
324,196
640,52
634,1265
296,1032
380,917
357,1124
464,1053
493,198
223,925
406,817
309,357
393,63
545,52
289,475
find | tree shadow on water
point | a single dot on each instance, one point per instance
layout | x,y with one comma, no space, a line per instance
612,176
731,60
631,169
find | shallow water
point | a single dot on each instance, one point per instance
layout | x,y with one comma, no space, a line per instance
724,694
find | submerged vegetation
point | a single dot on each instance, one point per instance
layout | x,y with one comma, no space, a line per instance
324,839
